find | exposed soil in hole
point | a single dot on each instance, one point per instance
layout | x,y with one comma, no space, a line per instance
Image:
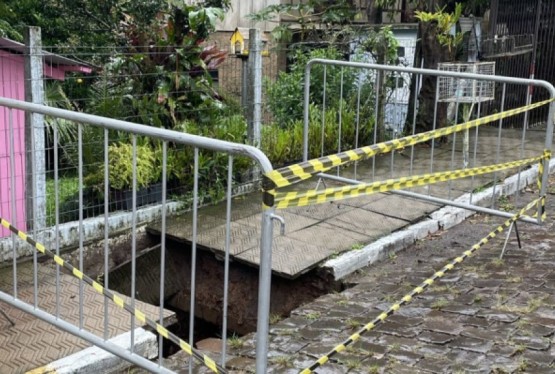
243,284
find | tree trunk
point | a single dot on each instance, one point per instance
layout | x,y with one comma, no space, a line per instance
432,53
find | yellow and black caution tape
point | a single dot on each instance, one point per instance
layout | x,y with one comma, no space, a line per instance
419,289
282,200
295,173
141,317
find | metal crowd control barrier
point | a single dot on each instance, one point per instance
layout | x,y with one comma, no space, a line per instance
491,145
47,242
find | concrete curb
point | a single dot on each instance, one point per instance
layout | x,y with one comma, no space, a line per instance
442,219
94,360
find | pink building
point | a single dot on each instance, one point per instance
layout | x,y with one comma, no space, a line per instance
12,86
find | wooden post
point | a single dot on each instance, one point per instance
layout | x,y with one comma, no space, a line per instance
35,183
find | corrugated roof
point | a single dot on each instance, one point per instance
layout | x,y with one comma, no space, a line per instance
49,58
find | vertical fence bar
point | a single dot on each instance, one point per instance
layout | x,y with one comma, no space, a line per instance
133,239
357,119
453,147
549,147
498,150
476,133
340,130
434,126
106,232
13,199
306,103
194,255
323,126
377,86
81,239
226,262
163,249
417,78
56,216
523,140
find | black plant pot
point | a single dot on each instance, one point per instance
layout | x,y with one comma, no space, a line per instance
123,199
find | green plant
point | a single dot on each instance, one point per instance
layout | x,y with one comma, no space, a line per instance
275,318
312,316
235,342
505,204
444,21
439,304
285,361
67,187
285,94
497,262
121,167
353,323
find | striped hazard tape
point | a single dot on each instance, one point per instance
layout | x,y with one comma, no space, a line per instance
295,173
282,200
141,317
419,289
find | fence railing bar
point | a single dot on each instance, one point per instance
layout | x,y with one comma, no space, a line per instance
194,254
163,249
106,231
13,210
523,139
226,260
56,214
498,149
81,231
435,200
145,130
133,238
475,151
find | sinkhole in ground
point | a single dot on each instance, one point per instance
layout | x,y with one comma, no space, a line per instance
286,294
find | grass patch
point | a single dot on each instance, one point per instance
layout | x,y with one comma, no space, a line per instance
235,342
439,304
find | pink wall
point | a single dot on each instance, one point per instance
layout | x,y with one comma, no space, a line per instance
12,86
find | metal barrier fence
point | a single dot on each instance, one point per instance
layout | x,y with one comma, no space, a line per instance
360,116
115,138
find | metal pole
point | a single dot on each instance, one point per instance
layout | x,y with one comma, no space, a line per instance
264,289
34,133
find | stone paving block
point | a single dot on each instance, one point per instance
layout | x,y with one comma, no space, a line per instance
532,342
542,358
395,329
496,316
471,344
433,365
435,337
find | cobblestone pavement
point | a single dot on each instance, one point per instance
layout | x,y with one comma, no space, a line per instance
488,315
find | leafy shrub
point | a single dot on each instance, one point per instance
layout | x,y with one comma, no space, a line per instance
285,95
285,145
120,167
